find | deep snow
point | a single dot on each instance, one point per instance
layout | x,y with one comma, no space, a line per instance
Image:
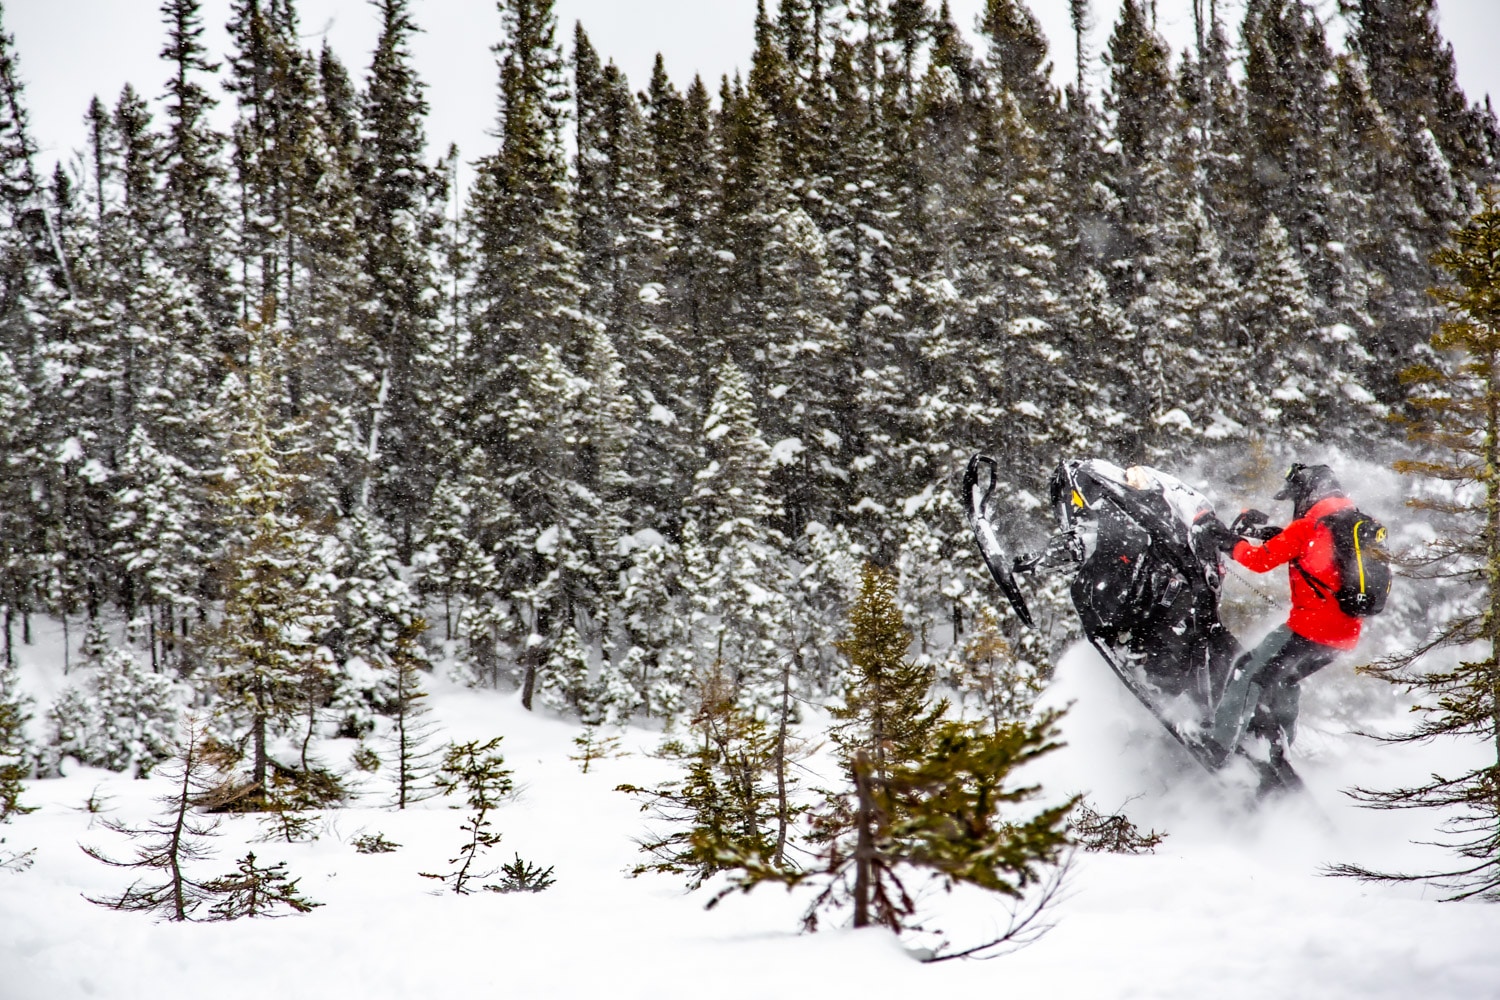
1231,905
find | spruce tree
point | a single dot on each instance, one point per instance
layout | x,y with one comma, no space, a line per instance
887,713
1288,376
21,521
165,847
193,186
653,614
266,652
1414,78
400,201
926,795
746,590
1444,154
1018,54
525,286
159,528
1288,66
15,751
724,804
478,771
119,716
379,624
1456,397
255,891
409,750
274,84
24,242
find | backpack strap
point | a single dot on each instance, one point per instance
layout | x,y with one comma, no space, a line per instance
1322,589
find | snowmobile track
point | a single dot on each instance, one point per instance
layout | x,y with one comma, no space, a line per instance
1273,778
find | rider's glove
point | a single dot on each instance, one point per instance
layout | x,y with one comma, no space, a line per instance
1222,538
1249,520
1252,524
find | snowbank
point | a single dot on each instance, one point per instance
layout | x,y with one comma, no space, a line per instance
1231,905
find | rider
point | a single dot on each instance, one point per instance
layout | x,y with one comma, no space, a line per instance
1261,693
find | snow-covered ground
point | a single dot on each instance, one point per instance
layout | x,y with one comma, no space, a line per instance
1231,905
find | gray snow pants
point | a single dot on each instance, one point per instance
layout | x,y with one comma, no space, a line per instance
1262,693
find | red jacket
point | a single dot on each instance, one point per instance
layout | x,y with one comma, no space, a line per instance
1314,616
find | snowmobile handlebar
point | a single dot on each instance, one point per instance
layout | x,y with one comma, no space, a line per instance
1251,523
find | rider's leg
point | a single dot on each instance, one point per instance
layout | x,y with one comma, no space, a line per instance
1251,674
1301,659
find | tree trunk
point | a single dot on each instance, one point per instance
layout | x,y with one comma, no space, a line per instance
1492,528
532,655
782,809
174,853
258,731
403,750
864,848
151,637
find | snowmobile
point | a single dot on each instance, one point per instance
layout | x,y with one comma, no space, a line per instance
1146,581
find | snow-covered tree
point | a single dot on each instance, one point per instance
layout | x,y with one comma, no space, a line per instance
266,655
119,716
15,749
745,593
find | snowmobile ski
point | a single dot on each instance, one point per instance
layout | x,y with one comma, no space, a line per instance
980,512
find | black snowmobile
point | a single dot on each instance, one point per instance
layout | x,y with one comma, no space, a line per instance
1146,580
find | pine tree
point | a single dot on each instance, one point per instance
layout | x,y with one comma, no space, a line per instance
1457,400
121,717
399,219
253,891
478,771
267,655
724,804
15,753
166,846
194,173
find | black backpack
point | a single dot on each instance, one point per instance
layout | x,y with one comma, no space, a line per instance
1363,563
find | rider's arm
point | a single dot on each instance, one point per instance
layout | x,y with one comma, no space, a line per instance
1276,552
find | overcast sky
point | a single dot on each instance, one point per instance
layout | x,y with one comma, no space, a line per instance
70,50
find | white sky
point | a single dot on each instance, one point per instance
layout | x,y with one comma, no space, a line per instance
70,50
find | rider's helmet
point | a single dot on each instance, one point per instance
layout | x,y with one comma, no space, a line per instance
1306,485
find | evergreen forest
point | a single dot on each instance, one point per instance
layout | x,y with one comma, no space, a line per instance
627,415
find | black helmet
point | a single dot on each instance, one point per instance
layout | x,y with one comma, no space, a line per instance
1306,485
